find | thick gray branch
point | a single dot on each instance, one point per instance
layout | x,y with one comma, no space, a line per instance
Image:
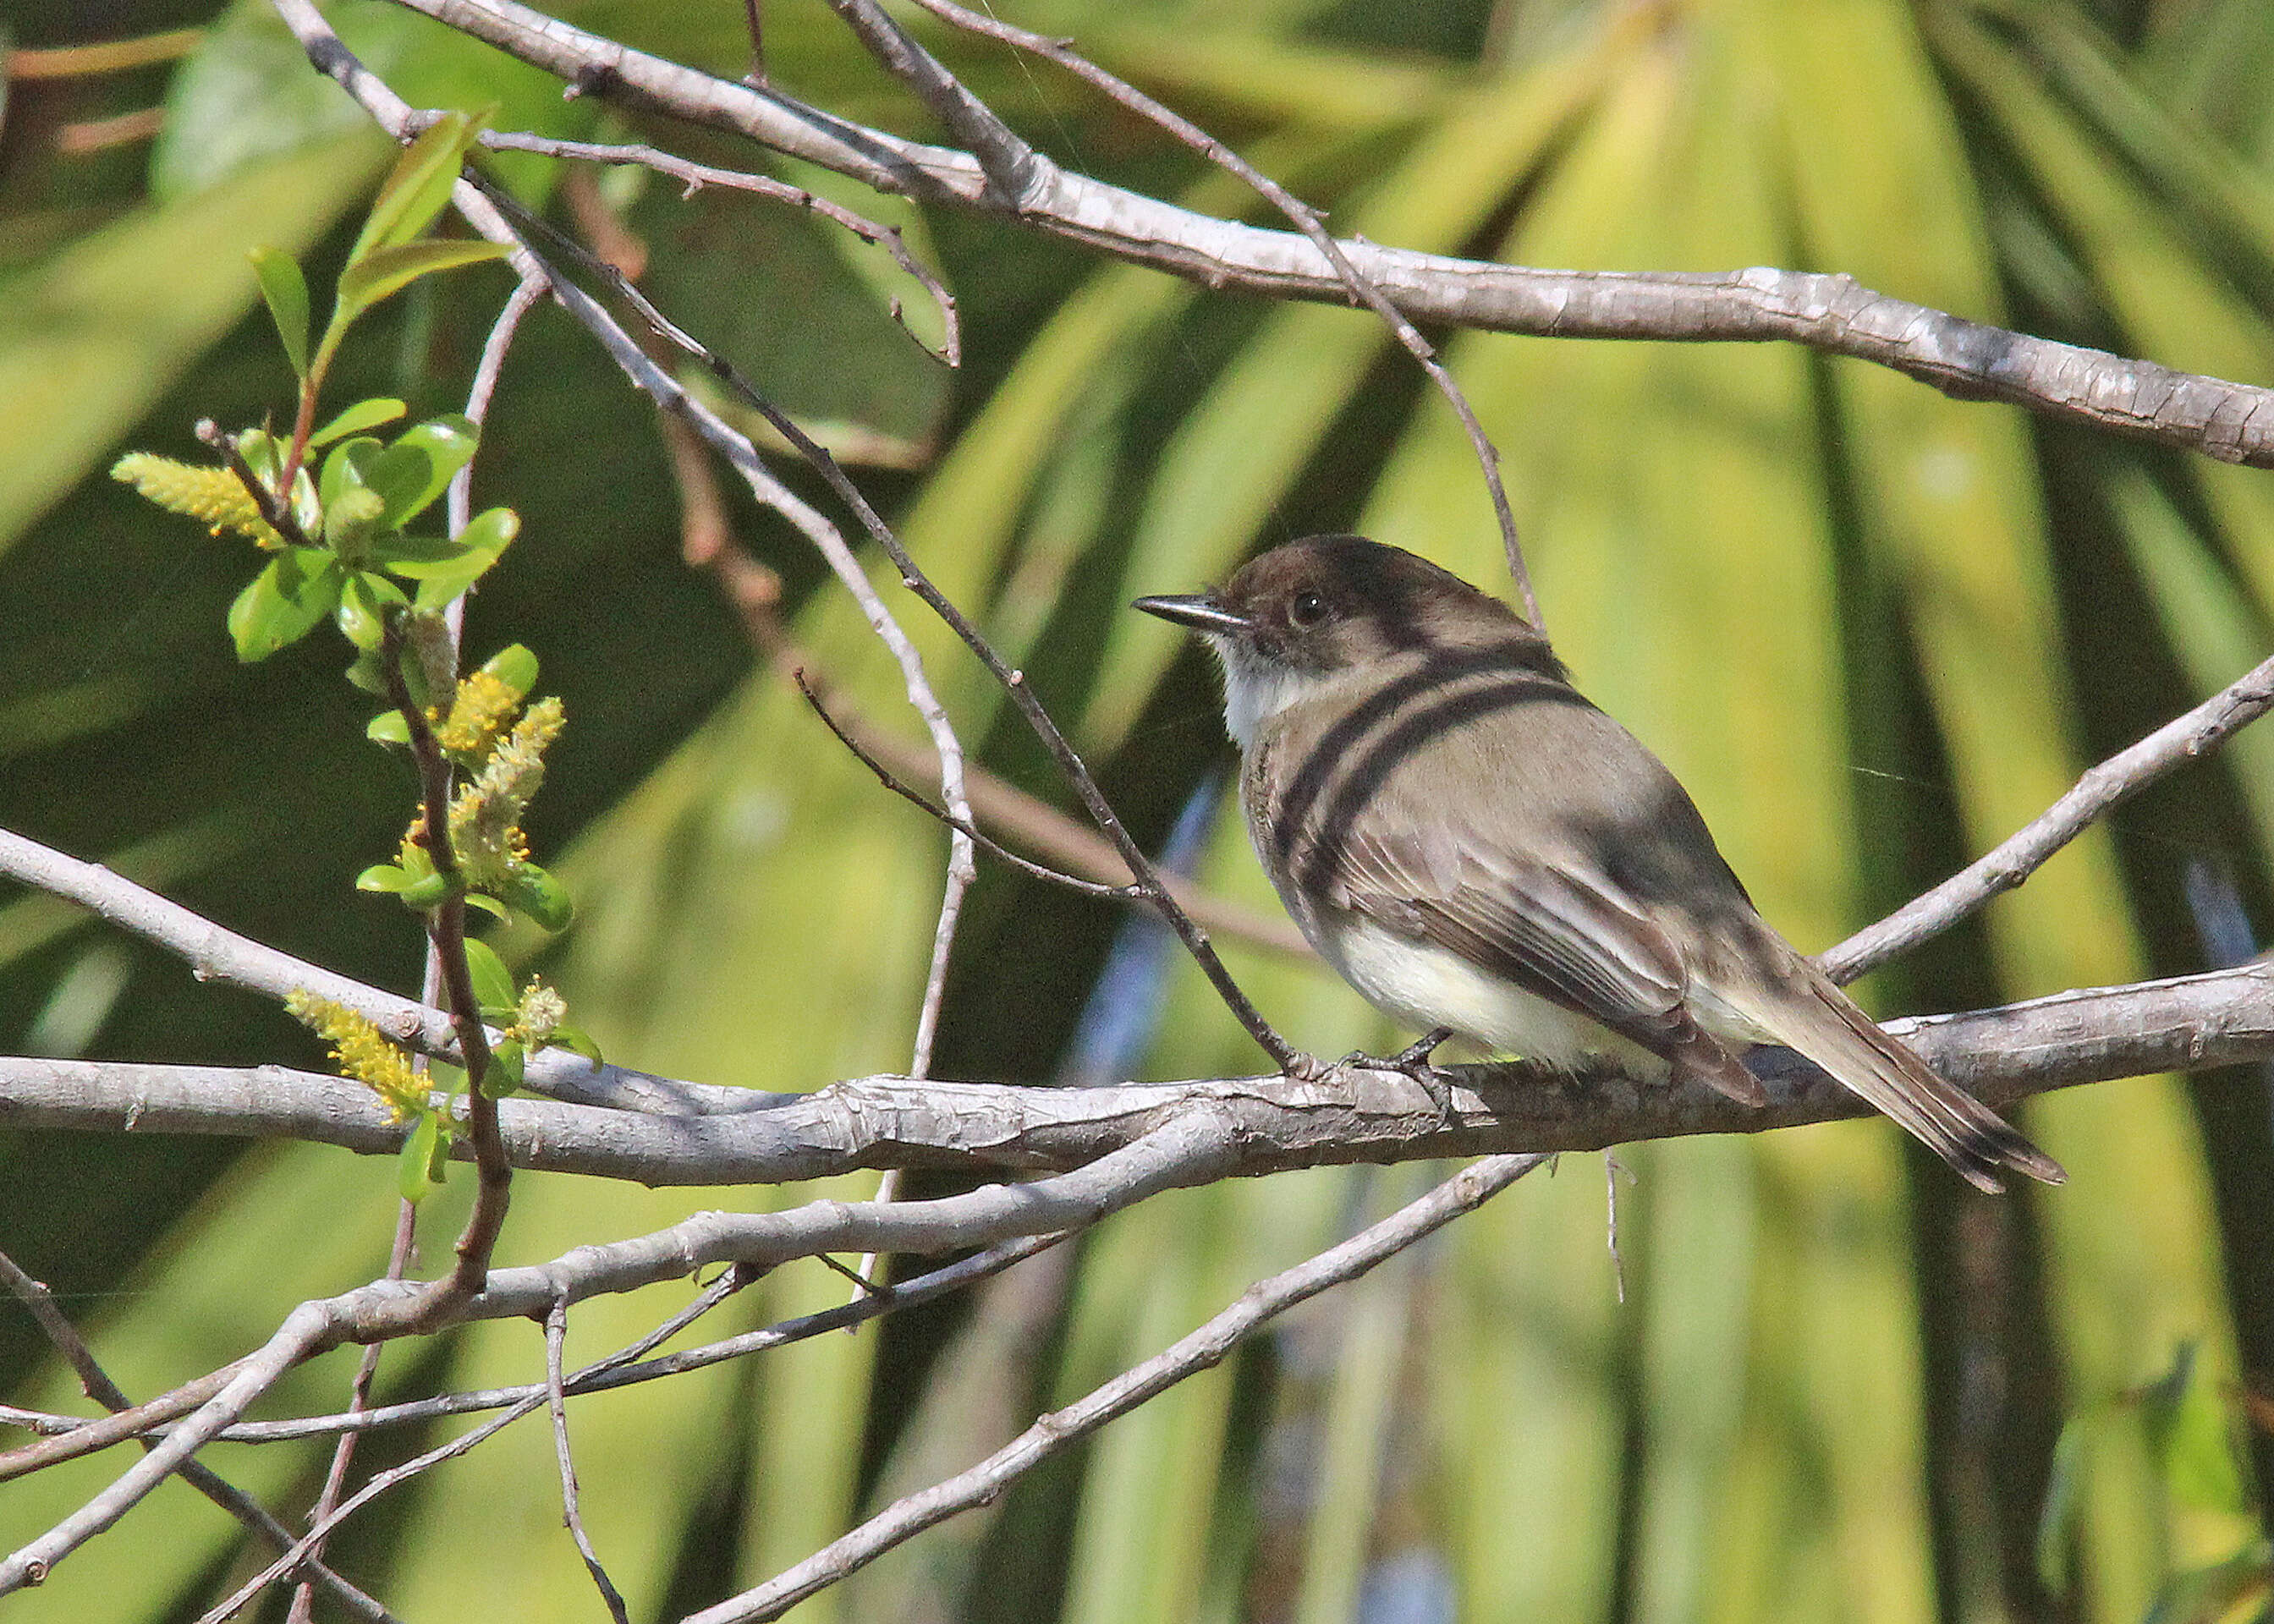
1834,314
2002,1055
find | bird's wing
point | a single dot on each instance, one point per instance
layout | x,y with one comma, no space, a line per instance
1557,931
1556,928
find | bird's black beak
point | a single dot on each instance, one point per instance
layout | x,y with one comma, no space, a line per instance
1201,613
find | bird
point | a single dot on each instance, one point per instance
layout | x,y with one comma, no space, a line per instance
1476,848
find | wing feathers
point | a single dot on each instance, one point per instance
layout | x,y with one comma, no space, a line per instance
1824,1025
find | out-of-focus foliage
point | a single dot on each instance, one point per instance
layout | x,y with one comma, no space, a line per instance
1871,628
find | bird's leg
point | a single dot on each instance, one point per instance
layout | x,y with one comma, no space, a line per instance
1413,1062
1415,1058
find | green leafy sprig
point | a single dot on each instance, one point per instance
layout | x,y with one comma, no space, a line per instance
333,506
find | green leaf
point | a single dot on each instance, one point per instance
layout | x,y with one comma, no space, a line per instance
342,469
366,673
388,727
396,548
447,443
577,1040
415,190
428,891
508,1061
284,603
494,986
362,415
489,906
286,291
490,533
347,521
415,1173
385,878
541,897
390,270
513,666
361,617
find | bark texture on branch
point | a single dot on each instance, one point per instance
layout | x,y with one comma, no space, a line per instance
1969,360
2000,1055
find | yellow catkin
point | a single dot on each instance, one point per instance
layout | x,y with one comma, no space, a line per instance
361,1053
480,708
486,814
215,497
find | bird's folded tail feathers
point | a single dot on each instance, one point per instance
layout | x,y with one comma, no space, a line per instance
1852,1050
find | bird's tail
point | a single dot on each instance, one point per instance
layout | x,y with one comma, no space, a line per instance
1825,1026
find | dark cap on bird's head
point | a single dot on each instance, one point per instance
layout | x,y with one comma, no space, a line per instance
1329,602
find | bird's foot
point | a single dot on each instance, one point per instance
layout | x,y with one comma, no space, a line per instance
1414,1061
1415,1057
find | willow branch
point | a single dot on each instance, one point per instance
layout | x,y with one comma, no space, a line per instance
1833,314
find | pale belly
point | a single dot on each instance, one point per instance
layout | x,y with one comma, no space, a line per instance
1423,985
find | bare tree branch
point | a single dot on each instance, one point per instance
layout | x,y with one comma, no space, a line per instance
1204,1348
1193,1148
1350,1115
883,1299
694,177
98,1386
2182,740
1301,214
1835,314
556,1339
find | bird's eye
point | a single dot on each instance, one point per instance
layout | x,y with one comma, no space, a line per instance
1307,609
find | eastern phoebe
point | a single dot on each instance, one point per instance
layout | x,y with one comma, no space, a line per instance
1474,846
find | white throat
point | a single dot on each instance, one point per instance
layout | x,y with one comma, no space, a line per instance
1255,690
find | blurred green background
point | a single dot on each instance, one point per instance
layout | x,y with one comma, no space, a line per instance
1874,629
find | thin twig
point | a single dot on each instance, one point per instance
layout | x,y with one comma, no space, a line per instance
2182,740
275,507
556,1337
445,930
97,1385
1203,1348
1074,882
872,18
694,177
303,1610
753,20
526,292
610,1373
1013,682
458,510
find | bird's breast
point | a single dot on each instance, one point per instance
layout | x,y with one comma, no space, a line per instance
1422,985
